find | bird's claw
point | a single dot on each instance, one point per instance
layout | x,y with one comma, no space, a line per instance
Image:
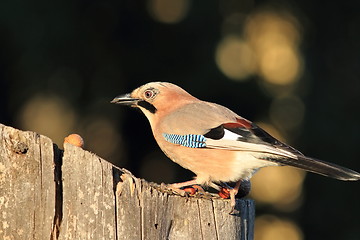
192,190
226,193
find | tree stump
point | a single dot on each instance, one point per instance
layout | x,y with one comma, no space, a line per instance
49,193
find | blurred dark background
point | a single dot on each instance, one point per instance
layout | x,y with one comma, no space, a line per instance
293,67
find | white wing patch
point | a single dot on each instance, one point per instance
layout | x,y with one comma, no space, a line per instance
231,136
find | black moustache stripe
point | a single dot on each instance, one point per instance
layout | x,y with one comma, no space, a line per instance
147,106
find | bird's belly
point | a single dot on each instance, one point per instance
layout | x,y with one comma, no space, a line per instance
215,165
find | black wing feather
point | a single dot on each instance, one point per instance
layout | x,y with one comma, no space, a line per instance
215,133
317,166
257,135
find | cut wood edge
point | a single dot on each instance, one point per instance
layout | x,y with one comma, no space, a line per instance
94,199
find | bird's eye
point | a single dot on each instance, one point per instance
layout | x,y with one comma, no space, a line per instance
149,94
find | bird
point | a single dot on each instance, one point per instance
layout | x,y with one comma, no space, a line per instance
215,143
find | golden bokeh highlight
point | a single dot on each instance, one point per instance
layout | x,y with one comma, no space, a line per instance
280,187
266,43
265,29
269,48
54,117
280,65
168,11
48,115
269,227
235,58
275,39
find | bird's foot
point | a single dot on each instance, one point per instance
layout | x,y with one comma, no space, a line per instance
228,192
191,190
198,188
176,187
224,193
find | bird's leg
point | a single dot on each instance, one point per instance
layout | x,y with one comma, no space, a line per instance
233,193
215,186
176,186
228,191
183,184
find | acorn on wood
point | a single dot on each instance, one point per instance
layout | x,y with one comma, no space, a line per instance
74,139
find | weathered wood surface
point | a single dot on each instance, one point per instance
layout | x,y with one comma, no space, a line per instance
47,193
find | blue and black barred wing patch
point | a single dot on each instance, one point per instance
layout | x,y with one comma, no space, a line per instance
189,140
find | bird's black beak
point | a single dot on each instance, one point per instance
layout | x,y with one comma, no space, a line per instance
125,99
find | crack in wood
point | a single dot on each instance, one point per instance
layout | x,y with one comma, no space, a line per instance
116,173
215,225
199,215
58,155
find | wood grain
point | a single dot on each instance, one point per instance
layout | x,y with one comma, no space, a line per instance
48,193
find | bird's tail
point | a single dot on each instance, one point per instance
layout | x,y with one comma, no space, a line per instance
286,157
320,167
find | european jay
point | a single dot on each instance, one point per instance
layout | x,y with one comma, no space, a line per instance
215,143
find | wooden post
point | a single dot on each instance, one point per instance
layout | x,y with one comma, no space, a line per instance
48,193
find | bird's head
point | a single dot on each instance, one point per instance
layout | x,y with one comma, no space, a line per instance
155,97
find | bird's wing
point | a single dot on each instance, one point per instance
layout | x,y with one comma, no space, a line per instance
221,127
208,125
198,117
251,138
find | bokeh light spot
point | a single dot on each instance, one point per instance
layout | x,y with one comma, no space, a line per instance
269,227
235,58
280,65
168,11
275,39
266,28
280,187
48,115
